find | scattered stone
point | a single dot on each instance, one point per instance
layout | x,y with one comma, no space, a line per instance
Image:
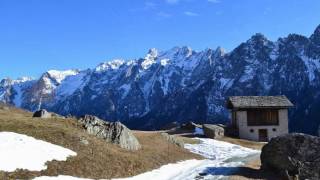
55,115
69,116
293,156
213,131
42,114
113,132
6,108
190,126
203,174
173,139
84,141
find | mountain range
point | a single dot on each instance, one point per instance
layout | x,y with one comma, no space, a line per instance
180,84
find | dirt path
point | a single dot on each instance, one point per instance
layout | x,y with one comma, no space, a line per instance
251,170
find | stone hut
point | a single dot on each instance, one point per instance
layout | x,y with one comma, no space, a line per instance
259,118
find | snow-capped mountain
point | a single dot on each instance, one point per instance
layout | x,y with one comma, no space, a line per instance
181,84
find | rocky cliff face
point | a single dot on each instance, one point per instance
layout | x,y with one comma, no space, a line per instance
182,85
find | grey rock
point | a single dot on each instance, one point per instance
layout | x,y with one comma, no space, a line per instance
69,116
190,126
84,141
293,155
213,131
5,108
113,132
173,139
42,114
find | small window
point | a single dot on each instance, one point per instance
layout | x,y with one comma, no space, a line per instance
274,129
262,117
251,130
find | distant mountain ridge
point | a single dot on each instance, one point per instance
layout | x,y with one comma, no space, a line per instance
182,85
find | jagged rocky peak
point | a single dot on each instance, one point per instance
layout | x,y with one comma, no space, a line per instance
150,58
59,76
185,51
23,79
315,37
294,39
6,82
9,81
219,52
153,53
110,65
258,39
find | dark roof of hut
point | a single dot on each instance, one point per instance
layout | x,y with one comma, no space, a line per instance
258,102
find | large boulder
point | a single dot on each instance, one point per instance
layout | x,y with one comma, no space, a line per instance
173,139
213,131
42,113
113,132
293,156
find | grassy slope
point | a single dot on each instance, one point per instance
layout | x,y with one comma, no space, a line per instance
96,160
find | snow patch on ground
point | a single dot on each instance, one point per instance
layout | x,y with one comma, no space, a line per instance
168,172
19,151
198,131
218,150
223,158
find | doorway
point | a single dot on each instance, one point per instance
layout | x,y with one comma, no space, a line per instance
263,135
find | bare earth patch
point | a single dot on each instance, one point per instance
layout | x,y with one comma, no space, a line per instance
252,171
244,143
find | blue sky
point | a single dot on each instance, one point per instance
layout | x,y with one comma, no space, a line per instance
38,35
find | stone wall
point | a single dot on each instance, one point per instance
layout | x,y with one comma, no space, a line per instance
252,132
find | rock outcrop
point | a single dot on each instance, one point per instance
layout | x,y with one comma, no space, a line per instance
293,156
213,131
42,113
173,139
113,132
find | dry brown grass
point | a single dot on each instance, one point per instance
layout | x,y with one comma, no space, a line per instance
96,160
188,140
243,142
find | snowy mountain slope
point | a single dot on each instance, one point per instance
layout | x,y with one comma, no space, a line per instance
182,84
